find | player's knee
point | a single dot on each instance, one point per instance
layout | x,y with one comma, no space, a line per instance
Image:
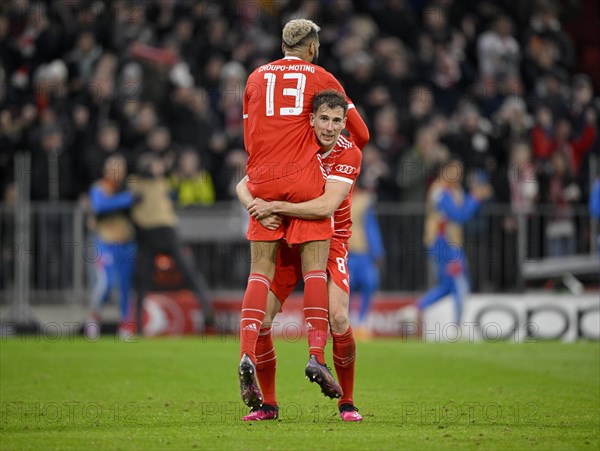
338,321
268,320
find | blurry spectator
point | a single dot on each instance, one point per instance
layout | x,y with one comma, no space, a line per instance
130,25
162,13
359,68
35,40
154,218
116,248
84,57
471,140
233,78
418,165
397,69
52,167
191,183
51,87
545,24
576,149
498,52
561,141
234,170
540,57
420,111
191,119
130,87
561,192
140,126
512,123
446,78
581,100
541,134
8,53
158,142
515,183
522,178
397,18
386,136
107,144
376,175
551,90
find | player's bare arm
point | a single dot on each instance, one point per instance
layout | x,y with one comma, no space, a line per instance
321,207
270,221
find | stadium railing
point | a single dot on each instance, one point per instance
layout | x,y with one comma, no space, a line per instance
504,249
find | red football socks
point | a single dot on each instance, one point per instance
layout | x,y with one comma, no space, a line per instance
266,366
253,313
316,302
344,358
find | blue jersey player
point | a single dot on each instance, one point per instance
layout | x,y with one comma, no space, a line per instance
448,208
115,245
365,254
595,204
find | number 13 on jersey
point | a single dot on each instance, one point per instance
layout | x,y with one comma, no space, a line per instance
297,93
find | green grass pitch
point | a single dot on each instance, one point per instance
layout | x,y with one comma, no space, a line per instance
182,394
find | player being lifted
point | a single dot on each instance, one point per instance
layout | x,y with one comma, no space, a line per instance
283,165
341,161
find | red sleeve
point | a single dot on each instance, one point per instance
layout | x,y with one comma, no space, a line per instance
585,141
245,119
347,165
542,145
357,128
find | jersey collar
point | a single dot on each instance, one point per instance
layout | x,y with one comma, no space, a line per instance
291,58
326,154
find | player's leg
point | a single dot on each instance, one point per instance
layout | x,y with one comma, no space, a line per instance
439,291
344,350
344,345
143,272
369,287
254,304
313,256
460,290
434,295
102,283
194,280
316,313
266,365
288,273
126,265
358,281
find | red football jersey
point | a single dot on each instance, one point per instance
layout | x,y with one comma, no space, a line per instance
277,105
342,164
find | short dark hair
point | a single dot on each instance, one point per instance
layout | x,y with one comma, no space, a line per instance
331,98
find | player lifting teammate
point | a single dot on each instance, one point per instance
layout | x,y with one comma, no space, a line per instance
341,161
283,165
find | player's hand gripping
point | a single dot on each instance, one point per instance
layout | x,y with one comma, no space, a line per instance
260,209
271,222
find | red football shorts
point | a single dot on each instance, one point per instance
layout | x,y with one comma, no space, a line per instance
288,270
337,264
300,186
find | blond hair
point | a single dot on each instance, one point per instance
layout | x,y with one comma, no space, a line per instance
295,31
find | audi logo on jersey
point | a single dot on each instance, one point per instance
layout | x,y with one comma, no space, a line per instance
345,169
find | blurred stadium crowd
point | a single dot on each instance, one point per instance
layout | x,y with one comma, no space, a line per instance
501,84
